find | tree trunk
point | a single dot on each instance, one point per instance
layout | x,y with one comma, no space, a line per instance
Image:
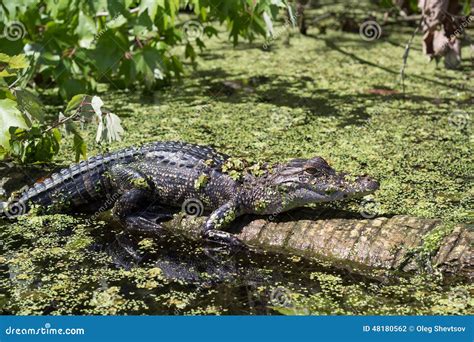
400,243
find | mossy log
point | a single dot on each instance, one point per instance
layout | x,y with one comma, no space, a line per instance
399,243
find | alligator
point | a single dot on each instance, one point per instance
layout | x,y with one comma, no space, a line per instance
137,182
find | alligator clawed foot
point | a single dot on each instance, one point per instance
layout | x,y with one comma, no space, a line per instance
225,239
155,217
143,225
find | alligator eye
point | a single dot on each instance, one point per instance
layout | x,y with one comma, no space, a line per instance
313,171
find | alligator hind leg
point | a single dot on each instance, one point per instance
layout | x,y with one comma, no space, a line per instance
130,203
129,209
219,219
133,207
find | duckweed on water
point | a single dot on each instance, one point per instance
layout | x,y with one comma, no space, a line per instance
314,97
71,269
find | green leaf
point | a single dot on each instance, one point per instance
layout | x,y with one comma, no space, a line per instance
151,6
117,22
76,102
177,65
10,63
202,12
189,52
71,87
146,61
3,152
4,58
42,150
200,44
30,104
10,116
109,52
210,31
18,62
85,29
79,147
57,7
6,73
57,135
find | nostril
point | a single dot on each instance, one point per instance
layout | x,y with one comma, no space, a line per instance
369,182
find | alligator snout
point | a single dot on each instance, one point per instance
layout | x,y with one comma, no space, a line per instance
368,183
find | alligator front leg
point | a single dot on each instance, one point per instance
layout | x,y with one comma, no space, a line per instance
218,219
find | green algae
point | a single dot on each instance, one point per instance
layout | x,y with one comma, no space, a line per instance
140,183
314,97
201,181
412,296
261,205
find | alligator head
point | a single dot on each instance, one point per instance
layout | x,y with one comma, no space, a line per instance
303,181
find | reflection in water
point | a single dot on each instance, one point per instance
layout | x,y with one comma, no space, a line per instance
240,281
56,264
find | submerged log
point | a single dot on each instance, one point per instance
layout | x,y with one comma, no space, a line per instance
400,243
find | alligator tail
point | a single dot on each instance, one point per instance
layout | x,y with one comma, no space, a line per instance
83,184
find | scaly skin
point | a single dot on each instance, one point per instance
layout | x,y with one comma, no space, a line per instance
173,173
82,186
